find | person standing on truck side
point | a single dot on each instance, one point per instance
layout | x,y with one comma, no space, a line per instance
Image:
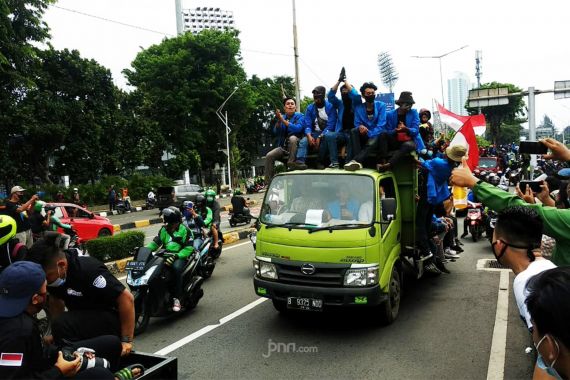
19,212
369,122
345,119
426,132
97,303
320,119
289,130
401,132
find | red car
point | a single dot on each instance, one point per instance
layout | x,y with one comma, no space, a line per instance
488,164
88,225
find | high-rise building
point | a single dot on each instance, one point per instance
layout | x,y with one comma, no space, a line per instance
201,18
457,93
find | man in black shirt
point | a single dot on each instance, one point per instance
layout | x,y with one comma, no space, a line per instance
20,213
97,303
22,355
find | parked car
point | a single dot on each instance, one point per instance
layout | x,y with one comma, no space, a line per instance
87,225
488,164
176,195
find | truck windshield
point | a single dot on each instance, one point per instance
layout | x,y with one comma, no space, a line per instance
321,200
487,162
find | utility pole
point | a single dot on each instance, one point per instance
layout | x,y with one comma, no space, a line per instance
224,119
296,53
179,21
478,73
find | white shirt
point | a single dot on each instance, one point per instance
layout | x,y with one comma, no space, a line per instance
365,213
519,284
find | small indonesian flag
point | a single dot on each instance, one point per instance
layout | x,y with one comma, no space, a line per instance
466,136
456,121
11,360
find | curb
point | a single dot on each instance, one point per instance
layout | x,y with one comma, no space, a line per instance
115,212
136,224
118,266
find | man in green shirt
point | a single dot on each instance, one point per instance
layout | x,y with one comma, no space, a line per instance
556,221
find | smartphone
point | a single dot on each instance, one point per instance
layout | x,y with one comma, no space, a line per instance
532,147
534,186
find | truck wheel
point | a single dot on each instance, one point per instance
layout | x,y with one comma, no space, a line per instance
389,310
142,311
280,306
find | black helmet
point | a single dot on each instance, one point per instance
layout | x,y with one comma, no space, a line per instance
200,199
171,215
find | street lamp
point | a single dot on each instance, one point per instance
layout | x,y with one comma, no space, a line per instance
439,57
224,119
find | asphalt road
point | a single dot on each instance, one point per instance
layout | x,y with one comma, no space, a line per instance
444,330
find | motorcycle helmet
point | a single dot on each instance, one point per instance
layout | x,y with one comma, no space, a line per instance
210,196
39,205
477,173
7,228
187,204
494,179
237,192
171,215
200,200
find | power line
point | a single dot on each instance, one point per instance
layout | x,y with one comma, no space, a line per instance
113,21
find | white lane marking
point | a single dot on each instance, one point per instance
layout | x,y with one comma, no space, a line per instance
121,278
195,335
496,369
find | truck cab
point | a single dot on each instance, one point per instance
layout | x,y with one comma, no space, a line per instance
337,238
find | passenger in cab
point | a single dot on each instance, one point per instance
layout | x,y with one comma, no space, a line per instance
344,207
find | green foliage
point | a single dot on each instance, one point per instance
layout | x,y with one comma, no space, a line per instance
482,142
115,247
305,103
496,116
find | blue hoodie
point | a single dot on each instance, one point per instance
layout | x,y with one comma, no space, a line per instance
311,115
378,122
439,171
295,127
339,105
412,122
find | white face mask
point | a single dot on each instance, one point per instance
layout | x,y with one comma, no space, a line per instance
542,364
58,281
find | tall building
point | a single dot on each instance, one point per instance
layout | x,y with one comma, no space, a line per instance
200,18
457,93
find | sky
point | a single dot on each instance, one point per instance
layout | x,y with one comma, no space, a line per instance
523,43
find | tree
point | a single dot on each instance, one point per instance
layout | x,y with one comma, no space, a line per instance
388,72
182,82
496,116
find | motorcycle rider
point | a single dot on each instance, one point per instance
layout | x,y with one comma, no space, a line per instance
194,220
213,204
239,204
177,240
52,222
151,198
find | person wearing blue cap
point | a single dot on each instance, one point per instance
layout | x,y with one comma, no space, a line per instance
23,291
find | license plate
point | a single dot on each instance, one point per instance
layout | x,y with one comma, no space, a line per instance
135,265
302,303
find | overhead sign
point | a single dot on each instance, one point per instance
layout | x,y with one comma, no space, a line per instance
388,99
488,97
562,89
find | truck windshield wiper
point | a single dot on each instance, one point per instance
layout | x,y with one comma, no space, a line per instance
339,227
289,225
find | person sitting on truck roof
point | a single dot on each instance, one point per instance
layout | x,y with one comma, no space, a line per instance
320,119
401,132
369,121
343,207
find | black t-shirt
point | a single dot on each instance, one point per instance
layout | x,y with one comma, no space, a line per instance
238,203
347,118
36,222
402,118
216,211
88,285
21,219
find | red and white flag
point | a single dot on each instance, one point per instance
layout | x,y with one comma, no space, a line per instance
456,121
466,136
11,360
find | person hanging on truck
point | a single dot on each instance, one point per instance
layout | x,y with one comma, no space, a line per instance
289,130
320,119
369,122
177,240
214,205
401,133
97,303
426,132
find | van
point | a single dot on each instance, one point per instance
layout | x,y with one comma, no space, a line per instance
176,195
331,238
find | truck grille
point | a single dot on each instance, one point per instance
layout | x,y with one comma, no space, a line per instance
291,274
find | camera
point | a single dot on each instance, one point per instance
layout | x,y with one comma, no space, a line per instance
86,361
50,208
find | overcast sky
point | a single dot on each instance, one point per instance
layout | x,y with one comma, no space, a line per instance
524,43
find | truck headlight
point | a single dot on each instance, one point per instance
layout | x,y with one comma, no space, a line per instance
143,280
361,276
267,270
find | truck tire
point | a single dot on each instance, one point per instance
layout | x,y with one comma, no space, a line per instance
389,309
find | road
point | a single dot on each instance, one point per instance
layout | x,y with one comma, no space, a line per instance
445,330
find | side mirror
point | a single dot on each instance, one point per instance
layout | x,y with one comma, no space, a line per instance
388,209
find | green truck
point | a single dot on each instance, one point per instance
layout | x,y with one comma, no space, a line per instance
336,238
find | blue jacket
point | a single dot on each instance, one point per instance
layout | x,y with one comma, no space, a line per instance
311,116
339,105
378,122
439,171
412,122
352,206
295,127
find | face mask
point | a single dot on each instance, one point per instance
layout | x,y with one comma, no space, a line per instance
370,98
542,364
57,282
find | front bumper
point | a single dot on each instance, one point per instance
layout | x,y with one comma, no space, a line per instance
365,296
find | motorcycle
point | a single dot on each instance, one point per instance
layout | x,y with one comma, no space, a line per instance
474,219
123,206
150,203
242,217
150,280
515,176
206,261
490,225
